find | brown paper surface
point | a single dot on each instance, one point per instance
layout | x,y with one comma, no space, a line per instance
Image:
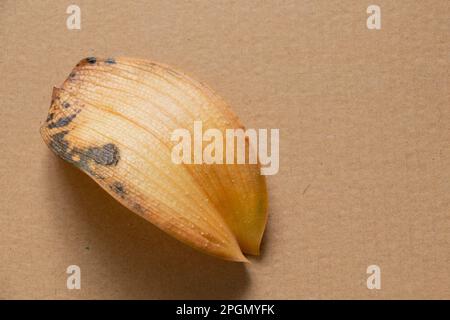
364,119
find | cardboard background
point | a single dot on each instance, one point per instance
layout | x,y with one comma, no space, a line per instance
364,123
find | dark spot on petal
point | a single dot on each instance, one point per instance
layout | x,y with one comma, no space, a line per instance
110,61
62,122
83,158
107,155
50,117
91,60
59,145
119,189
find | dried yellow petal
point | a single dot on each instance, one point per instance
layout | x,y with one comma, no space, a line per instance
113,119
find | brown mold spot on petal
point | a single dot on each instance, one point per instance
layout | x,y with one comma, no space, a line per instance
107,155
119,189
62,122
110,61
59,144
91,60
50,117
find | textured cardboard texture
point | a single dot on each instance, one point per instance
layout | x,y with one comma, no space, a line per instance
364,123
